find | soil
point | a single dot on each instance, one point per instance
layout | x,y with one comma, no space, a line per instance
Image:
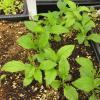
12,87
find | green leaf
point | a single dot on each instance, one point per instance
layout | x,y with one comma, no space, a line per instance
40,57
26,41
57,38
77,14
70,22
27,81
64,68
89,25
47,65
29,71
53,17
85,19
81,38
97,82
13,66
43,42
2,77
78,26
70,93
65,51
50,76
56,84
71,4
94,37
93,97
61,5
59,29
86,68
50,54
83,8
33,26
38,75
84,83
84,62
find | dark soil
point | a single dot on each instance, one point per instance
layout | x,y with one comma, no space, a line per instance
12,87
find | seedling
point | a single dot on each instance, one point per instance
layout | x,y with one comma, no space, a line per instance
10,6
89,80
54,64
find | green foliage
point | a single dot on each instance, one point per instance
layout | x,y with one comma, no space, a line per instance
86,68
53,66
10,6
2,77
65,51
47,65
56,84
26,41
70,93
84,83
13,66
88,80
38,75
94,37
50,76
93,97
50,54
64,68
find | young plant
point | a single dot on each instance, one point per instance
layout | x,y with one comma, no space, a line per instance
77,17
10,6
89,80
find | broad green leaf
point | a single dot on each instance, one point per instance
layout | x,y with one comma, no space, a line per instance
47,65
86,68
77,14
56,84
83,8
70,93
50,54
85,19
89,25
94,37
26,41
71,4
61,5
84,62
84,83
33,26
70,22
59,29
27,81
38,75
43,40
50,76
53,17
13,66
40,57
93,97
65,51
64,68
78,26
29,71
81,38
97,82
85,71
